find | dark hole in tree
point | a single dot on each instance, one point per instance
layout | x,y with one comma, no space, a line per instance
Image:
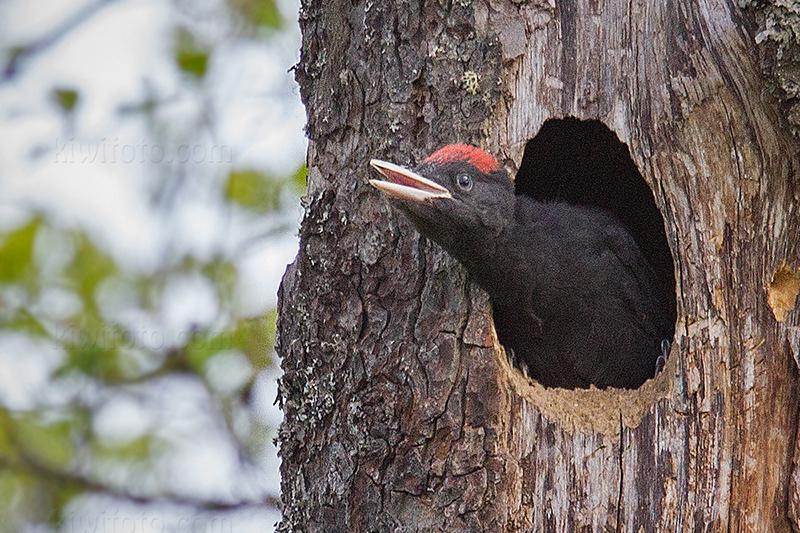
585,163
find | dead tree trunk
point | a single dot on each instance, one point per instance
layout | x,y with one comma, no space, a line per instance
402,412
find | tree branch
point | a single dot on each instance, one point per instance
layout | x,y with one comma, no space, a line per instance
31,465
20,54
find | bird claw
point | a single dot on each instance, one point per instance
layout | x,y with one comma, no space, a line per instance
524,368
518,363
662,359
510,355
660,362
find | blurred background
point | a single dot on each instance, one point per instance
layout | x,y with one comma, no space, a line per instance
151,164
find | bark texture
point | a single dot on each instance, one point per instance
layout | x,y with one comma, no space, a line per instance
402,413
778,38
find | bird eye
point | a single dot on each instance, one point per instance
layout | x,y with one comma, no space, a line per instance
464,182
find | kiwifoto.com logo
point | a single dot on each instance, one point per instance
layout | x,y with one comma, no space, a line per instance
114,337
69,151
105,522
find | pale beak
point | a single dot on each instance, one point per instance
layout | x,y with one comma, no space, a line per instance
404,184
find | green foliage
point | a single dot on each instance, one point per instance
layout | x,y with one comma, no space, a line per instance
33,453
8,451
203,346
25,322
46,443
66,99
261,193
50,453
41,450
260,12
16,254
254,337
253,190
191,55
223,274
89,267
138,449
92,344
18,494
300,178
94,350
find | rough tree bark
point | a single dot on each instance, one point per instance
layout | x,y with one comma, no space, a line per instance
402,412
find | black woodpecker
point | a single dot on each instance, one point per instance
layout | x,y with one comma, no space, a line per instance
574,299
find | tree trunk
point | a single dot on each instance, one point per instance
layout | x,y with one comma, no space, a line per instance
402,412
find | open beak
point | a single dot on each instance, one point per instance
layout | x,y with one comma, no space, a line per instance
406,185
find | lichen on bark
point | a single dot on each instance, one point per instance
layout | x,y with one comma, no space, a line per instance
777,38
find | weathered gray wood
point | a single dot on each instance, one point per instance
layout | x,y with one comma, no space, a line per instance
401,410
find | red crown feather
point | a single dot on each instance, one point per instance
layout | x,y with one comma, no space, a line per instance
463,152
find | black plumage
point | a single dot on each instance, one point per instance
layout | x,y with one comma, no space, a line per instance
574,298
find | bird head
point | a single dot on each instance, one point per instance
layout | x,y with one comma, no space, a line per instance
458,193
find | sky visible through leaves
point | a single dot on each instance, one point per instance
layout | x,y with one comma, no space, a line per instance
151,163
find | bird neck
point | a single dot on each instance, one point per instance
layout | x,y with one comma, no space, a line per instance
490,258
505,262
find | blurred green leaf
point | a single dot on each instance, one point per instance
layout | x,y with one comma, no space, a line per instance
137,449
93,348
88,269
253,190
29,491
65,98
23,321
49,443
191,55
18,493
203,345
8,451
61,494
255,338
299,179
223,275
94,360
16,253
260,12
27,499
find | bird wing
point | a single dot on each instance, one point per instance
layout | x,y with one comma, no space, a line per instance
639,286
624,333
